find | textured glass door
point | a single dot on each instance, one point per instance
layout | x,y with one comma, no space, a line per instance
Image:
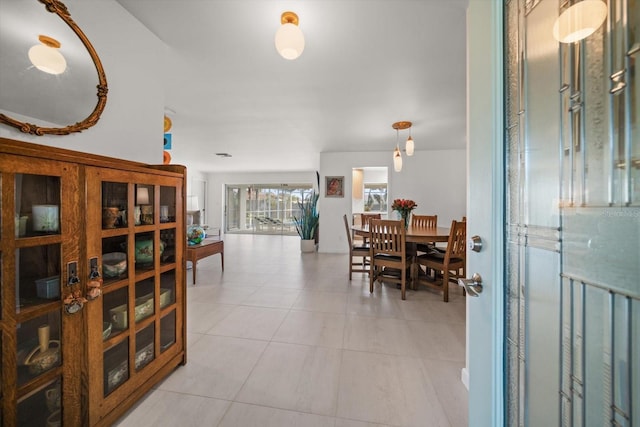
572,293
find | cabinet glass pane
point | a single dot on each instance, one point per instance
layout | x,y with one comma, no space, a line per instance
168,242
41,408
144,299
116,366
167,331
37,204
167,204
145,348
114,204
144,247
37,275
38,346
115,312
144,204
114,259
167,288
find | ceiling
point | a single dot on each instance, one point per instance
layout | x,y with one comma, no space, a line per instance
366,64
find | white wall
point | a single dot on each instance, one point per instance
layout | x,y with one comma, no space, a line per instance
131,126
217,181
435,180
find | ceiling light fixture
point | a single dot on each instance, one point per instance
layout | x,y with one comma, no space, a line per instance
46,57
289,37
579,21
397,156
223,155
409,145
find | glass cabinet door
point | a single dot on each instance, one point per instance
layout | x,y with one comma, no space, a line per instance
39,276
132,233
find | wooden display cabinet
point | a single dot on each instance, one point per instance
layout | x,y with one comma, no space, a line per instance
93,283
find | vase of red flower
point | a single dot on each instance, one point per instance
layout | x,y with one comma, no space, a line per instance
404,208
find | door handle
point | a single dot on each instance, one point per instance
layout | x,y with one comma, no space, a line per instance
473,286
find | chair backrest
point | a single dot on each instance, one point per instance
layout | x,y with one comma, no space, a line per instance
346,226
367,217
457,244
356,219
425,221
387,237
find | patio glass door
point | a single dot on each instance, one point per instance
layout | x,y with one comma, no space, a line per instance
263,208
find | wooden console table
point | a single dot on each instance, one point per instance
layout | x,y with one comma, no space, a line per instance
209,246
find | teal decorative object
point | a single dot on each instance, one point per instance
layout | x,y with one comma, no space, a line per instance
195,234
144,251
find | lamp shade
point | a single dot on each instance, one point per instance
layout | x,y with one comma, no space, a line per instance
47,58
289,38
409,147
142,196
579,21
192,203
397,160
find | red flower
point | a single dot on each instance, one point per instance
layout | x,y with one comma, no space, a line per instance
404,206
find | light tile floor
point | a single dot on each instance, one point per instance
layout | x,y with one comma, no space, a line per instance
282,339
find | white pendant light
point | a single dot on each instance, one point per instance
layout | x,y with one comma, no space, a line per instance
579,21
409,146
397,160
397,156
46,57
289,37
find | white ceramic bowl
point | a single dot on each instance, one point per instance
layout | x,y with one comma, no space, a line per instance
114,264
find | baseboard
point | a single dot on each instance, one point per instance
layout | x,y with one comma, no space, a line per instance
464,377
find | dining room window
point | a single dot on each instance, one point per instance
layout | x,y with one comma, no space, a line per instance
375,197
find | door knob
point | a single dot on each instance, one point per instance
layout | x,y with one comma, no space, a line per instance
473,286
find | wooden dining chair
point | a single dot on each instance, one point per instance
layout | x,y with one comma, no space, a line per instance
363,219
388,253
426,221
356,251
450,265
367,217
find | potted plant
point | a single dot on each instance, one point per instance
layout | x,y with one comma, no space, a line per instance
307,222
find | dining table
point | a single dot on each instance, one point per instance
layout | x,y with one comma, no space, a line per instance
413,236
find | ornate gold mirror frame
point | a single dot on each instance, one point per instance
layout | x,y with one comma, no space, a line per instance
57,7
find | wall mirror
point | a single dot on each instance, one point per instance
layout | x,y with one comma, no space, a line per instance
38,102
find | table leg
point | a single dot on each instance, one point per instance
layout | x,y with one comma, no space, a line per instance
193,268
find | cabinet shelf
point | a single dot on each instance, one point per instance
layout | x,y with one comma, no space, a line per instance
27,242
36,308
35,384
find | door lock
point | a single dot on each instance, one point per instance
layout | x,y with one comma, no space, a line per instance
473,286
475,243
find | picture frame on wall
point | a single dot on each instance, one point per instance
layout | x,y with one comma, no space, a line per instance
334,186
